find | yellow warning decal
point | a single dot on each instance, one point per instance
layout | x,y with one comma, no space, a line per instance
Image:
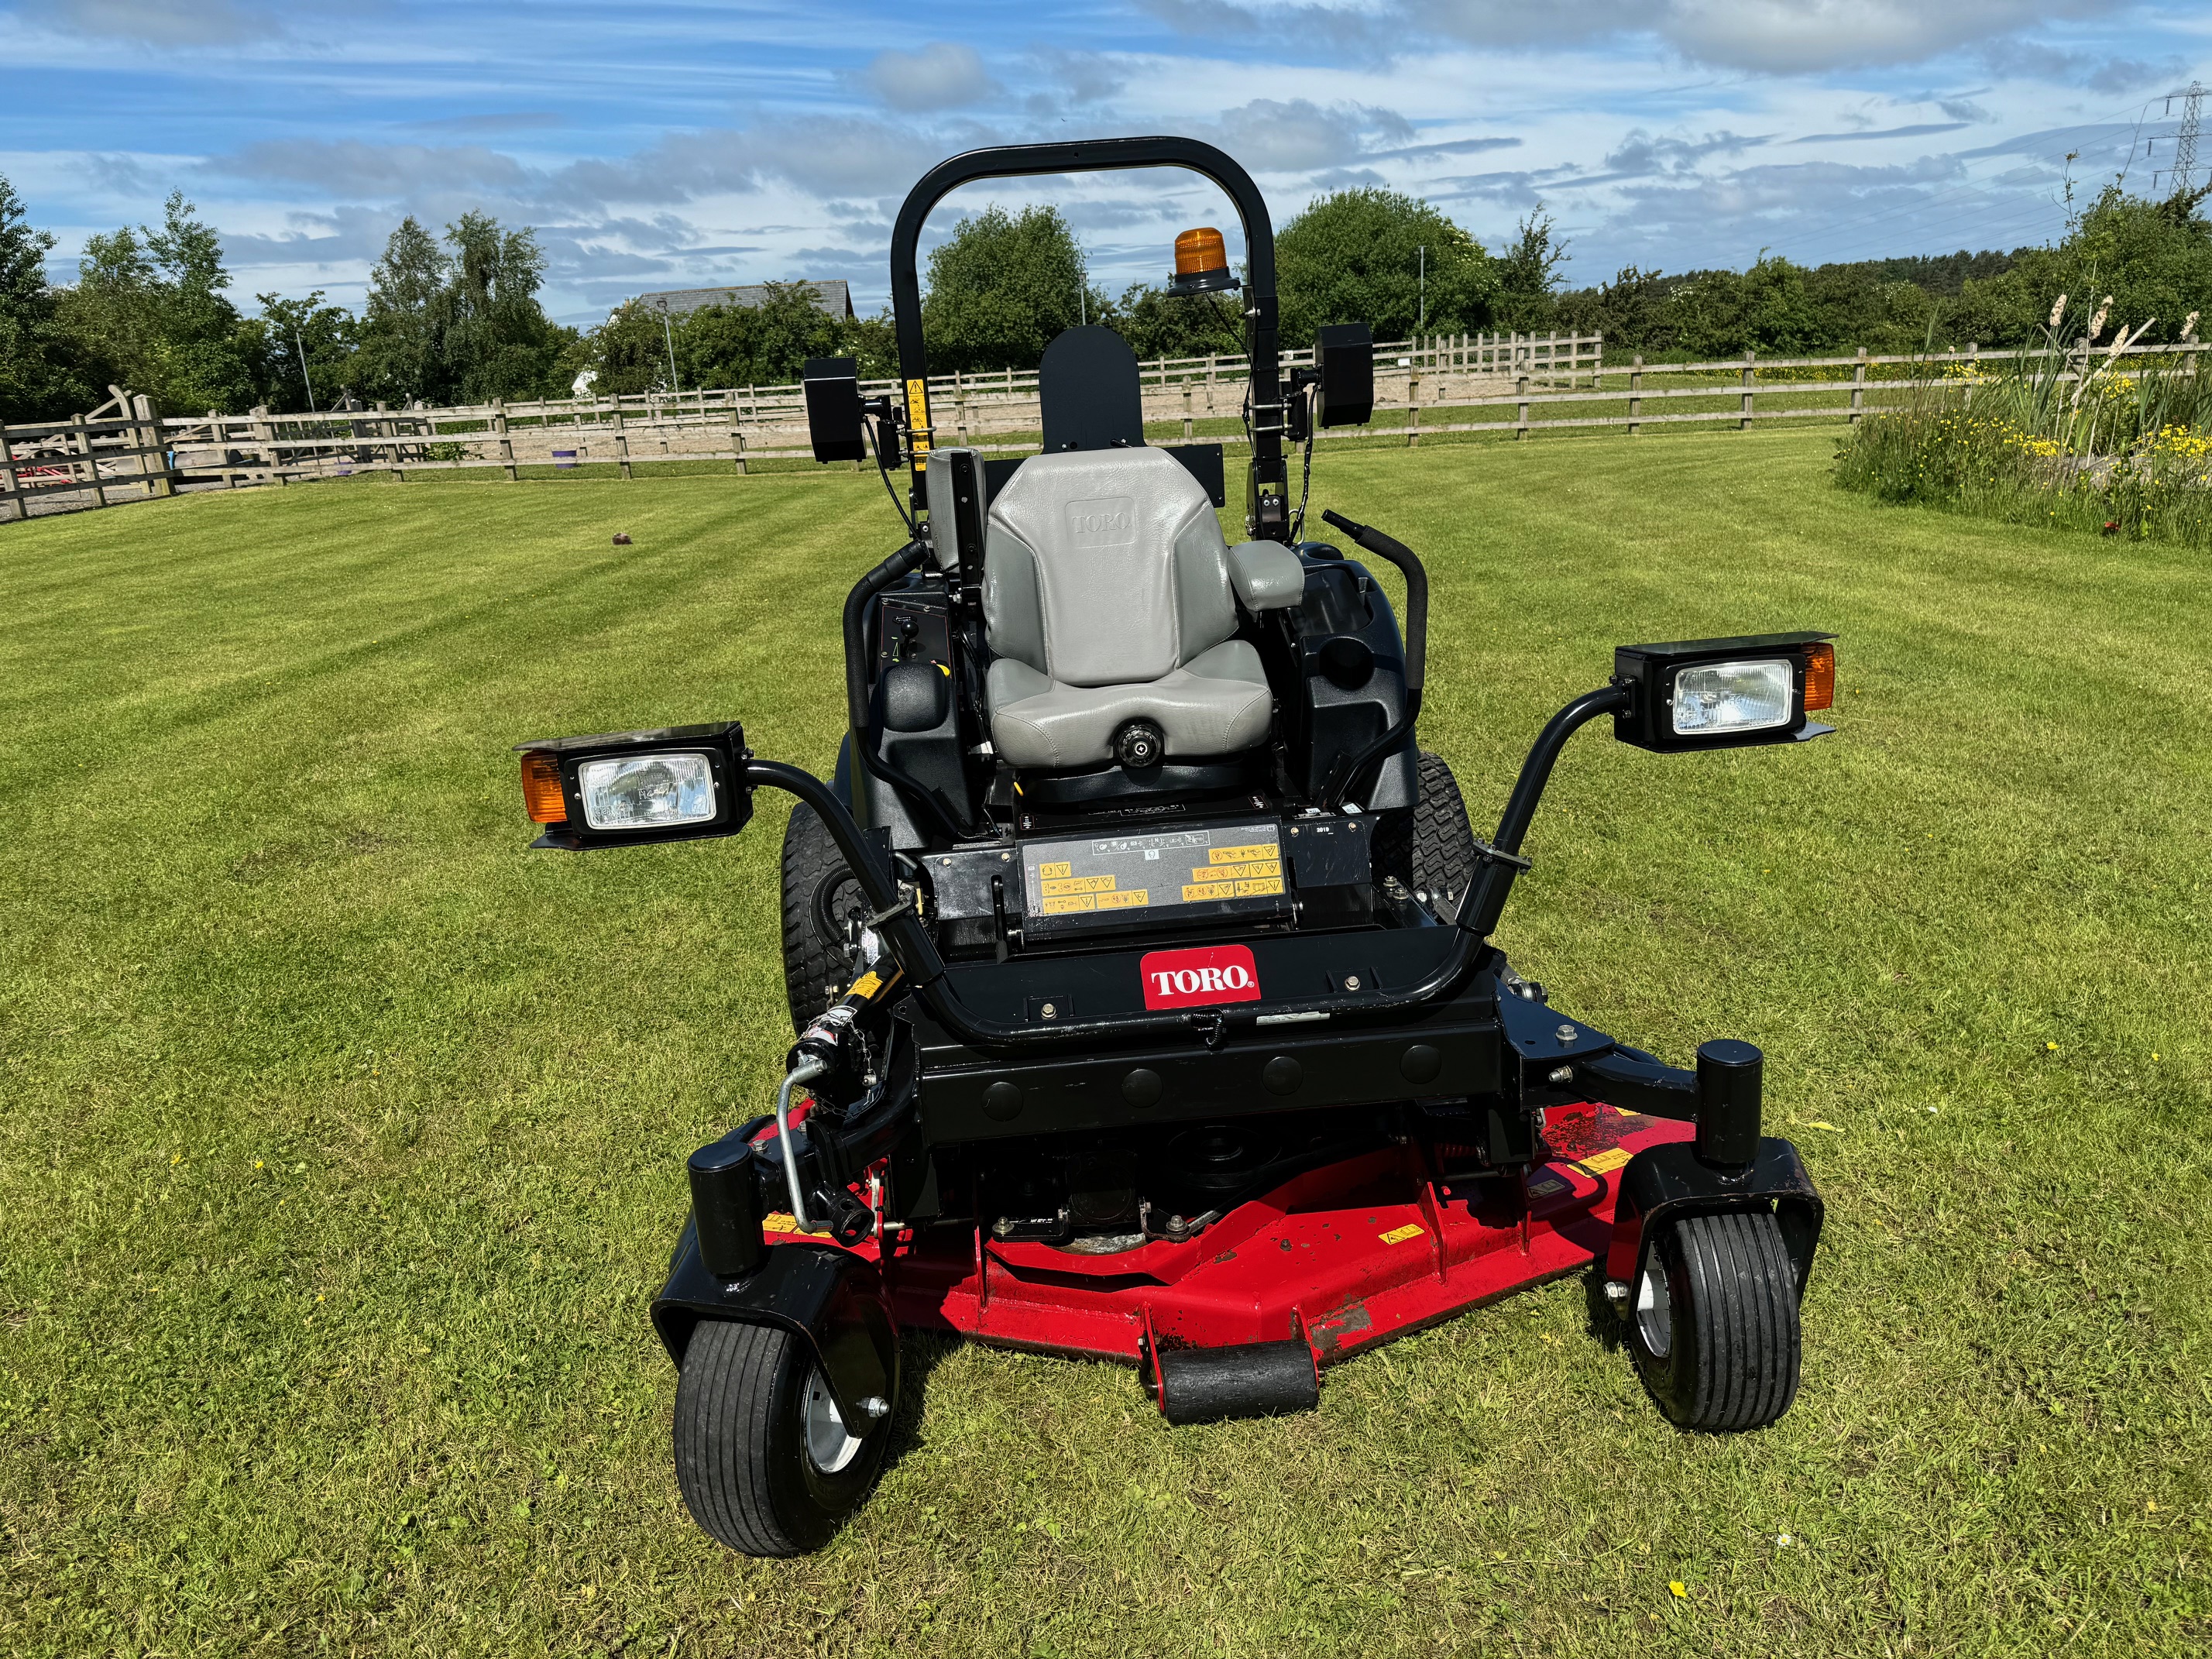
778,1221
1194,892
917,416
1258,870
1605,1163
1243,855
867,985
1400,1234
1079,884
1258,888
1068,903
1047,872
1125,900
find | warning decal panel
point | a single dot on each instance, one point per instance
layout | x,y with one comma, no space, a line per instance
1240,865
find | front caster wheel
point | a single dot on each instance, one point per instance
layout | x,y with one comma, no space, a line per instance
1712,1321
765,1463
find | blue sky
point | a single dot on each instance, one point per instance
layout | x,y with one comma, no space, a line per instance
664,144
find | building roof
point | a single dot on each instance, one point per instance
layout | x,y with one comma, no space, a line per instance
836,298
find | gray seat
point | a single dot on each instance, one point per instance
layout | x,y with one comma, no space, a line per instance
1110,594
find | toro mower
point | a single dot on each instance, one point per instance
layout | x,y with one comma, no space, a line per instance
1140,955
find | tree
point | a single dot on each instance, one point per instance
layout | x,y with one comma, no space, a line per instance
1159,324
1002,288
767,344
1356,257
1528,275
37,379
311,344
498,342
402,351
148,312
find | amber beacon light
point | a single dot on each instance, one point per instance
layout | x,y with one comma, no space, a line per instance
1201,263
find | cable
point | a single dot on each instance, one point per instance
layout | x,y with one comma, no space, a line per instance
1311,392
884,473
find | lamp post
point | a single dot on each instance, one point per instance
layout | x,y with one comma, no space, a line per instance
304,379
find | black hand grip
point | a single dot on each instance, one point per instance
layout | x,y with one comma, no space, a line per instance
1417,588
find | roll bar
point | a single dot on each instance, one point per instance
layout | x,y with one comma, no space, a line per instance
1262,341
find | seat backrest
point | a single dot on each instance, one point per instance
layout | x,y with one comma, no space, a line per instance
1105,568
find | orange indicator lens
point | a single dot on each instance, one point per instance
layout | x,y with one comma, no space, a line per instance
541,789
1820,677
1200,252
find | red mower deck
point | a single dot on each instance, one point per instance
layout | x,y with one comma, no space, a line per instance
1348,1255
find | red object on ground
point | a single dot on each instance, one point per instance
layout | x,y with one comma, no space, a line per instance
1348,1256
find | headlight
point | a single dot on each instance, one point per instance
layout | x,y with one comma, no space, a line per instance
1713,698
626,787
645,792
1723,694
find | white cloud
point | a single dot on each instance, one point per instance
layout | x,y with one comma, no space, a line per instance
1786,37
353,167
941,75
161,23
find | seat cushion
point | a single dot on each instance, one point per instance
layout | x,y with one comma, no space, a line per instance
1218,704
1104,567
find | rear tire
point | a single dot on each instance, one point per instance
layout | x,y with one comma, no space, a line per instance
765,1463
819,892
1712,1321
1431,849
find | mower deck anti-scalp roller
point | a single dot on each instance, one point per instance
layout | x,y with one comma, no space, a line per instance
1139,957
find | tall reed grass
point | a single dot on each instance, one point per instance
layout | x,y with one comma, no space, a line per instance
2076,434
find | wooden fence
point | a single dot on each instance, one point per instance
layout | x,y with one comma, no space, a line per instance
1437,384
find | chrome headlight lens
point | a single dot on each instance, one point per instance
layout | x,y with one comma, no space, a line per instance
1753,695
646,792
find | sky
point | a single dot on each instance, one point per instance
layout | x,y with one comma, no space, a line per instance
673,143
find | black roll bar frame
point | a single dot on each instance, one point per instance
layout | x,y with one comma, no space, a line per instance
1261,325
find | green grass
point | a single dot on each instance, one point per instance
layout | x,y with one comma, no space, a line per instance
341,1137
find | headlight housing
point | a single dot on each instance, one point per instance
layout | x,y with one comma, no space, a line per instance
620,788
1724,693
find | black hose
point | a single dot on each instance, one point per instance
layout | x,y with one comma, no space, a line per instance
1416,645
913,789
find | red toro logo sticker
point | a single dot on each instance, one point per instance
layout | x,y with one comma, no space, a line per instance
1192,979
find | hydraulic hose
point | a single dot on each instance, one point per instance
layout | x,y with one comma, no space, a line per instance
1416,645
916,793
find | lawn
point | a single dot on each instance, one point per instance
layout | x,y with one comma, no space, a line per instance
341,1137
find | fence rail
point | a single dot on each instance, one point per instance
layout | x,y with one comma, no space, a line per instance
1424,387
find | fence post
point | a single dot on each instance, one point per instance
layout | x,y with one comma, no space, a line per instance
622,441
265,436
1635,385
1413,400
1521,427
1859,388
737,444
15,491
1743,424
1186,411
163,482
80,428
506,443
